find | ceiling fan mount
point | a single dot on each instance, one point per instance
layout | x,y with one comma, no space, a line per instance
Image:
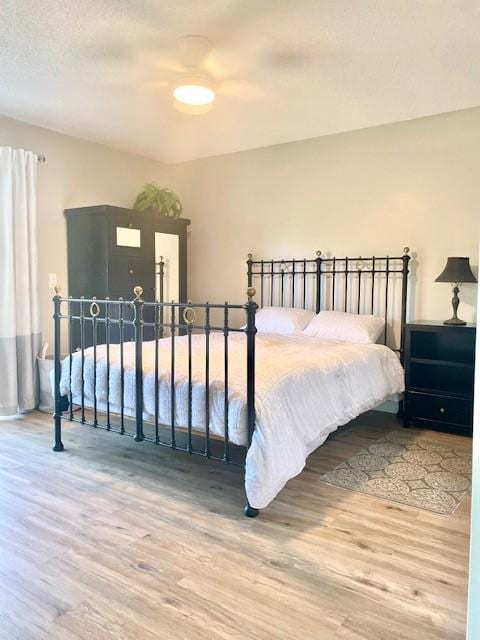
193,91
193,50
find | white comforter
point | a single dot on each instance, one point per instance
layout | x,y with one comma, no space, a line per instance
305,388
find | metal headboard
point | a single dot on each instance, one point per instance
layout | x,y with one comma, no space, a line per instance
375,285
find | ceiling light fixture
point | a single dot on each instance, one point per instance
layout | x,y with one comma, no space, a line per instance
193,94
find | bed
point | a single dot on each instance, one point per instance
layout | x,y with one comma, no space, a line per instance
211,386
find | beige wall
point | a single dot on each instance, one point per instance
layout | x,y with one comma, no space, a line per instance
376,190
76,173
371,191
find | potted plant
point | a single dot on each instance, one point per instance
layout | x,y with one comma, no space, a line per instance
160,200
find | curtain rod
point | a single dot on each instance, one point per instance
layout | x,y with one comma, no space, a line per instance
41,157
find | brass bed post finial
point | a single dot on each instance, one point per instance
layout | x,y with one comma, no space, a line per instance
249,256
406,250
57,289
251,293
138,291
319,253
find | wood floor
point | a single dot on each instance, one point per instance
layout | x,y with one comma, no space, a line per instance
116,540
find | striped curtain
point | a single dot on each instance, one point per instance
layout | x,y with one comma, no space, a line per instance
20,337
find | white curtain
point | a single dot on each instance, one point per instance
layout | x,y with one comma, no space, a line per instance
20,337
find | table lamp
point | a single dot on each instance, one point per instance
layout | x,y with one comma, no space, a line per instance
457,271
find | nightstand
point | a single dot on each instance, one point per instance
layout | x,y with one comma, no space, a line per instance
439,373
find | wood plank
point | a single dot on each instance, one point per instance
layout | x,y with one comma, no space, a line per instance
115,540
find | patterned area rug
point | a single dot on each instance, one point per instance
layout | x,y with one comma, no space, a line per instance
411,469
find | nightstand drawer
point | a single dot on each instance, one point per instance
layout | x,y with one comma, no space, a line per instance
440,408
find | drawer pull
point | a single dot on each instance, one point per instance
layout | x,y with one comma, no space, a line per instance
442,410
130,271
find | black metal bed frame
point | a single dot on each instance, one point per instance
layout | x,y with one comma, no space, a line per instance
320,283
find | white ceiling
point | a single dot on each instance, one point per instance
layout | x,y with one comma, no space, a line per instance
286,69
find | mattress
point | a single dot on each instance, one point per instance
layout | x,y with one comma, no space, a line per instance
305,388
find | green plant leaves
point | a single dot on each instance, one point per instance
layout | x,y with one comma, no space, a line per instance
161,200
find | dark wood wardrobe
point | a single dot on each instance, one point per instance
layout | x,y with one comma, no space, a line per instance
111,250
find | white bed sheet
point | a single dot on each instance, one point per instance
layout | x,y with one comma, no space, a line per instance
305,389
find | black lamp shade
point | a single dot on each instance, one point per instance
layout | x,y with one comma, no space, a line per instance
456,270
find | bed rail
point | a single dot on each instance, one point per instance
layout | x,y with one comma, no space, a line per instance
112,326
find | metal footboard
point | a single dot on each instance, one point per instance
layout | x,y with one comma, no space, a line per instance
120,329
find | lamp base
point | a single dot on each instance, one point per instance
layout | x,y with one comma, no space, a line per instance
456,322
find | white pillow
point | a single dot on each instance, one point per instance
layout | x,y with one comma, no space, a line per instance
283,320
348,327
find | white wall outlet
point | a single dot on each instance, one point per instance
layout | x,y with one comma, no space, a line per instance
52,280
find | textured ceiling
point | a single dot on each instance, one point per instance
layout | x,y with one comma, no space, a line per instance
286,69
